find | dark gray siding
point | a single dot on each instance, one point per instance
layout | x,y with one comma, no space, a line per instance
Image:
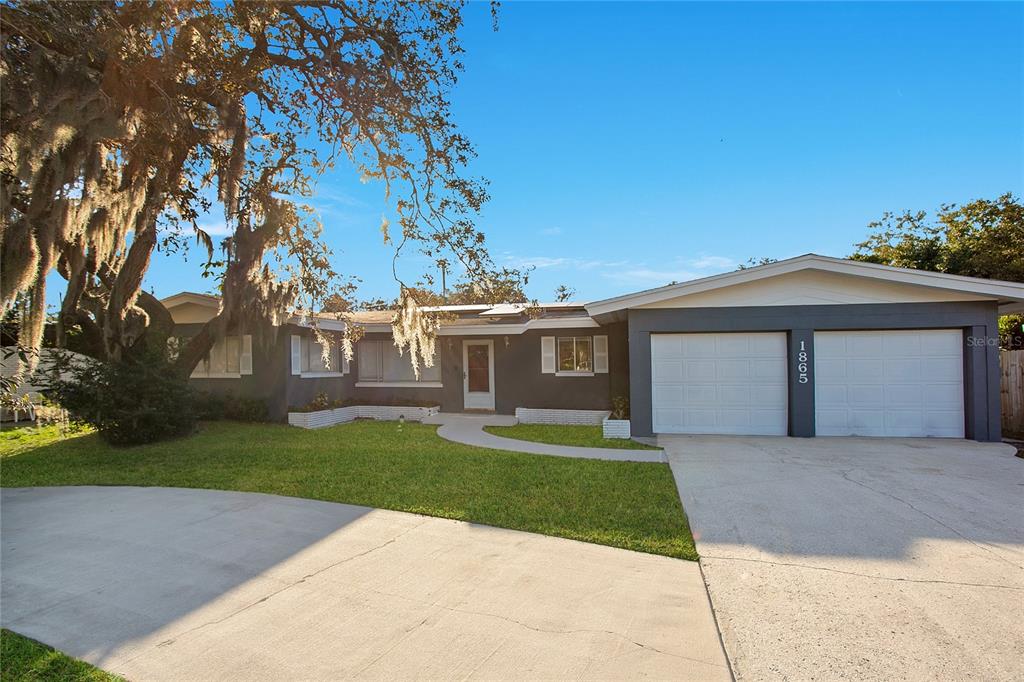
977,319
270,362
518,381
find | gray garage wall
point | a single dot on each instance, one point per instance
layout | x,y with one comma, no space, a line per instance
977,319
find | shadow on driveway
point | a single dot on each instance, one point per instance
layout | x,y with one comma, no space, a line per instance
175,584
863,558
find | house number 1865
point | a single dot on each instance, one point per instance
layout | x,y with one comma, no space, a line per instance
801,367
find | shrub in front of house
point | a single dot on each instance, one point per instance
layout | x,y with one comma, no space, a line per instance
322,402
220,406
617,424
129,402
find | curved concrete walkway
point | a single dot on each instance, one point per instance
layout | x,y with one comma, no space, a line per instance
469,430
176,584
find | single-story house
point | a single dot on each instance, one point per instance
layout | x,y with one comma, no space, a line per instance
803,347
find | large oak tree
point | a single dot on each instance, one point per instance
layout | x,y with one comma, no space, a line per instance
123,123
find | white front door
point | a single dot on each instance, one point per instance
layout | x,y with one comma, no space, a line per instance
478,374
731,383
889,383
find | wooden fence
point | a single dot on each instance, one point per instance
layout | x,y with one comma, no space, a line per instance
1011,363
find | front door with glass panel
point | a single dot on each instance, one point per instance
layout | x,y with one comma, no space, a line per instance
478,374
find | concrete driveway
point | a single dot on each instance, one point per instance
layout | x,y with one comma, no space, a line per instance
850,558
158,583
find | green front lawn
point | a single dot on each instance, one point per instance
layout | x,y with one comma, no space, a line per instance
26,660
557,434
409,468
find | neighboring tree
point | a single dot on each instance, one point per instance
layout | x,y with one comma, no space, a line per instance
564,293
755,262
122,120
983,238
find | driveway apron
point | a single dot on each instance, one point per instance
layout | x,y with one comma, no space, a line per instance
858,558
173,584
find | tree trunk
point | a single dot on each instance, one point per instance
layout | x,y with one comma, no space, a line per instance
196,349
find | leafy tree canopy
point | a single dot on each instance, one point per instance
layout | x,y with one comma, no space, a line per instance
983,238
124,122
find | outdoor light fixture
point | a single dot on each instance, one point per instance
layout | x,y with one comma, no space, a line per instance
506,342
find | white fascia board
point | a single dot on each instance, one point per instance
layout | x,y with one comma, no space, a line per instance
481,329
373,326
563,323
455,308
499,329
323,323
516,308
1005,291
517,328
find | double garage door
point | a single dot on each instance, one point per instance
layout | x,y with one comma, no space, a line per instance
870,383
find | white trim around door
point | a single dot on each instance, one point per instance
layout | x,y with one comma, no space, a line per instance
478,399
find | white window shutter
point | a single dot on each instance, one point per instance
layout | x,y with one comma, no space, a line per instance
296,354
245,361
344,360
601,354
547,355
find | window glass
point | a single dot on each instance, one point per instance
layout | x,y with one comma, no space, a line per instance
399,367
217,358
233,352
396,368
583,354
224,357
316,357
368,359
575,354
379,361
566,355
313,356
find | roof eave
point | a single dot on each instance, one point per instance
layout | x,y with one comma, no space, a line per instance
996,289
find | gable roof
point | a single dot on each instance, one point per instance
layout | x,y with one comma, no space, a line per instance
1010,295
184,297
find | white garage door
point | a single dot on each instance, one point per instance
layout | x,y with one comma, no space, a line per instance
889,383
719,383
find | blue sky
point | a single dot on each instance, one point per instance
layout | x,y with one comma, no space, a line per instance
632,144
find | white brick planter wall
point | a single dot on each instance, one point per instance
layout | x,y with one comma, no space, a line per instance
529,415
616,428
341,415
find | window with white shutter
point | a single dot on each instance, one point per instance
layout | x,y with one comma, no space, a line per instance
547,355
601,354
229,358
312,361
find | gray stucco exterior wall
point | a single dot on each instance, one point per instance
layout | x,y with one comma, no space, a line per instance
978,320
267,382
518,381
